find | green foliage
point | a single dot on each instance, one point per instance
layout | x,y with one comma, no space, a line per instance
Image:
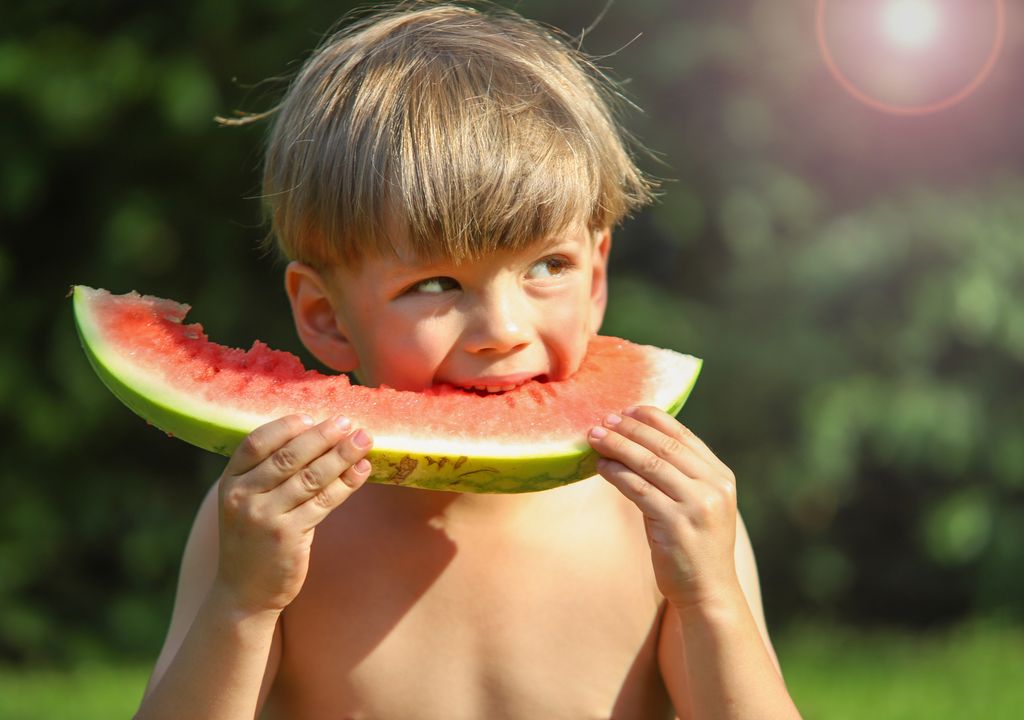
876,358
854,281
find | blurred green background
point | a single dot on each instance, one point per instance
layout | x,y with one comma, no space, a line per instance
854,281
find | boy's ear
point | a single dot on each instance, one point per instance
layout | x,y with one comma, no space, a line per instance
315,319
599,279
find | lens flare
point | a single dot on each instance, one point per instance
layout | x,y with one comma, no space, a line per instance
915,30
911,24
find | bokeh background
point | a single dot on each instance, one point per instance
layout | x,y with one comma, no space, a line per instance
854,281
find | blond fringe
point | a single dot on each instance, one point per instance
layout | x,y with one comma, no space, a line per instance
444,130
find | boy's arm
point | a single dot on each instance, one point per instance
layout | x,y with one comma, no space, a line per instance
715,655
675,648
245,561
209,657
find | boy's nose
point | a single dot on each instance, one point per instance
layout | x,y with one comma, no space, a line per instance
501,325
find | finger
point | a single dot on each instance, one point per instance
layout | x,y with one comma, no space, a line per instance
264,440
665,441
666,423
638,459
295,454
321,472
650,500
310,513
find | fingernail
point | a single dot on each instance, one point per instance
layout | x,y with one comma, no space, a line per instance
363,465
598,432
342,423
630,410
361,439
612,419
306,420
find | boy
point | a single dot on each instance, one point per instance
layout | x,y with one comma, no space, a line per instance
444,182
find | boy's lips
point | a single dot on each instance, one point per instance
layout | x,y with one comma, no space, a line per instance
495,383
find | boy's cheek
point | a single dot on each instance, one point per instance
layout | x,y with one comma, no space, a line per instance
406,358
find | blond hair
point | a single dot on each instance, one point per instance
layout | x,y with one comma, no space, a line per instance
446,130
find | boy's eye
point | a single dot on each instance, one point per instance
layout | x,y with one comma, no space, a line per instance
549,267
434,285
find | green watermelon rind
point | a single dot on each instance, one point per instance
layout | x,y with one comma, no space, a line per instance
453,467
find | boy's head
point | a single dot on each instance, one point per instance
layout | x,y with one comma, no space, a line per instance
447,131
444,180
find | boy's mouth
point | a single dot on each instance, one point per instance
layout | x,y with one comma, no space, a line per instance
496,386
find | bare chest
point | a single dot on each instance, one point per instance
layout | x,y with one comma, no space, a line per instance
497,623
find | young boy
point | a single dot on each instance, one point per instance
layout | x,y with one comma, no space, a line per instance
444,181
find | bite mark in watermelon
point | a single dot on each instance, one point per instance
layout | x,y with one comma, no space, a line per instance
527,439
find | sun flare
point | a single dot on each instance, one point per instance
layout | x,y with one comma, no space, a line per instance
911,24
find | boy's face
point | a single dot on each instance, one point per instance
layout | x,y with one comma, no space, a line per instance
490,324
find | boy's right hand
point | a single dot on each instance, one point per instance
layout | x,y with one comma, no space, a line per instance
282,480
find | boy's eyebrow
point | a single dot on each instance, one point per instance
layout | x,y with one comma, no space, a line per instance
411,265
559,238
554,239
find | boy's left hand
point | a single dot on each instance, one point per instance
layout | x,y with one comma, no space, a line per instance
687,496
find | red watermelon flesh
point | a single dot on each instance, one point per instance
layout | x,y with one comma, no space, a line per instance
530,438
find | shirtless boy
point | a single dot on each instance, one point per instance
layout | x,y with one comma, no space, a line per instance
444,182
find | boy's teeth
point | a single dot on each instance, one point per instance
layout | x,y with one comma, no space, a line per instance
493,388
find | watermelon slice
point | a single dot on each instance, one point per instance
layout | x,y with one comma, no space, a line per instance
531,438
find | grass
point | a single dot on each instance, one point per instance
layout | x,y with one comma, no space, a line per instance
91,692
971,671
